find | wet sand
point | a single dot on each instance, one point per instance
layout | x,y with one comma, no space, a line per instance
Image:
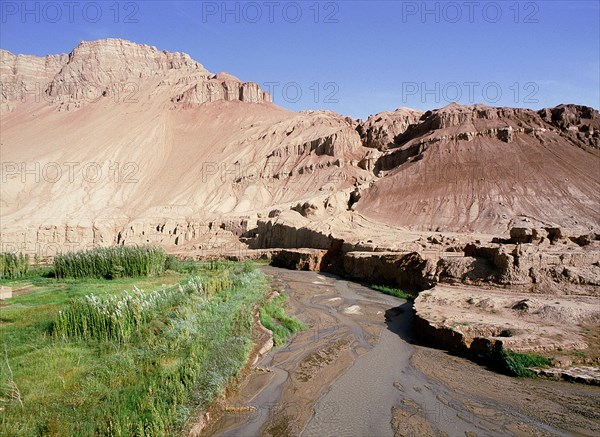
355,372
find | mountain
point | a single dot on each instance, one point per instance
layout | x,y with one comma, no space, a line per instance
120,142
476,168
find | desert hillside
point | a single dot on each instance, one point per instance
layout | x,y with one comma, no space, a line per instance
121,142
477,168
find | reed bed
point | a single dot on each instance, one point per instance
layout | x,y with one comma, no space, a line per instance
117,318
13,266
111,262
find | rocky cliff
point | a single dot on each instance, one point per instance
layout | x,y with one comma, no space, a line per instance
379,131
156,147
117,70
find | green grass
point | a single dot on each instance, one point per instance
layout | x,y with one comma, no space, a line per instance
183,345
273,317
516,364
111,262
189,267
394,292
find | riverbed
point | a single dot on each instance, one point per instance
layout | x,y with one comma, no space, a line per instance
357,372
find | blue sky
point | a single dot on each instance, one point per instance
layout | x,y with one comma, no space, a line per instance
354,57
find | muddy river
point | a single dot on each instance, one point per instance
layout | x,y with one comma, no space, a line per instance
355,372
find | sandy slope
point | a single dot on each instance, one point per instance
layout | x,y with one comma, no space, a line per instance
458,175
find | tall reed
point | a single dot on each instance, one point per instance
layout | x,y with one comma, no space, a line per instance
13,266
111,262
117,318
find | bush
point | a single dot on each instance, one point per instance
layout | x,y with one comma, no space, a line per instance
172,263
111,262
13,266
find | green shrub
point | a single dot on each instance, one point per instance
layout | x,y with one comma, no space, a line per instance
13,266
219,264
172,263
176,265
111,262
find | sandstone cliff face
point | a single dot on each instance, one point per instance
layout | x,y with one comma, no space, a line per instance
542,269
24,77
108,61
581,124
472,121
118,70
554,261
209,238
455,115
214,89
380,130
141,137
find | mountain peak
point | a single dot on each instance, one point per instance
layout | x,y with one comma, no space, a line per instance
113,67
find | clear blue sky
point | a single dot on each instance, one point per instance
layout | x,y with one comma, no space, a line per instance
356,58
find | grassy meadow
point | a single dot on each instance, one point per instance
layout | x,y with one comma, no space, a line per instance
125,356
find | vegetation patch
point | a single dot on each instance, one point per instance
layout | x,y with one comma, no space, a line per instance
84,357
13,266
117,318
394,292
273,317
518,364
111,262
